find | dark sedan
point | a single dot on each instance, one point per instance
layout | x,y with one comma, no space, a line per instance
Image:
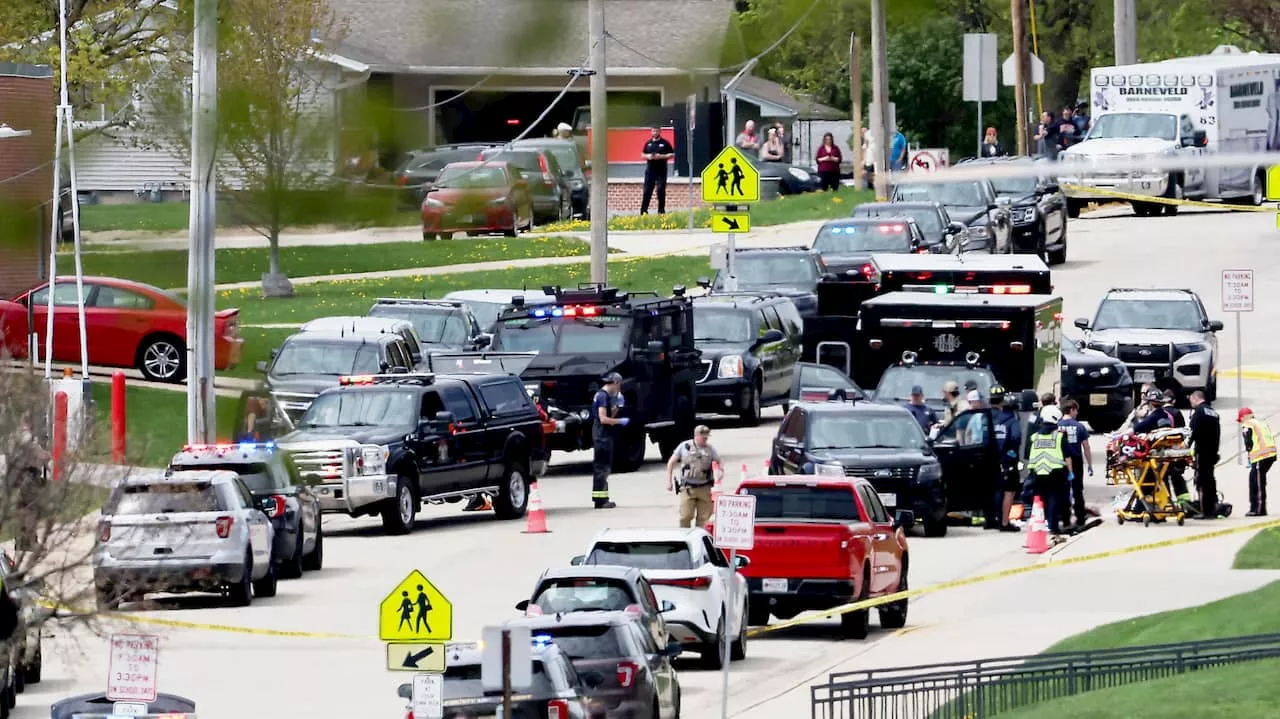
935,222
847,245
423,167
792,179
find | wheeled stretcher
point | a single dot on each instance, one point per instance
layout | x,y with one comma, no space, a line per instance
1145,461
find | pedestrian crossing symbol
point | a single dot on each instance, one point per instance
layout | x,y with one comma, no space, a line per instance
415,611
730,178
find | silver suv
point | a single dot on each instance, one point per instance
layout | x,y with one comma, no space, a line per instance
1164,337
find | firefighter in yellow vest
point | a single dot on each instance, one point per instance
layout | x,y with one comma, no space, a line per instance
1260,443
1049,468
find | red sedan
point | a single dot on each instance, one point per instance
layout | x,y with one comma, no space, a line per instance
477,198
127,324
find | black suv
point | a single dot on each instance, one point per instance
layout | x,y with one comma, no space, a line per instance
308,363
592,331
846,245
789,271
383,444
750,344
442,325
973,202
1099,382
933,219
1038,210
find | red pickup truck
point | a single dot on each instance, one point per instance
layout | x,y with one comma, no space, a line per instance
821,542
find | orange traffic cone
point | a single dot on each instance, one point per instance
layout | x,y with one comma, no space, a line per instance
537,519
1038,534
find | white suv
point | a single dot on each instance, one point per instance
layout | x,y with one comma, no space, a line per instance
1164,337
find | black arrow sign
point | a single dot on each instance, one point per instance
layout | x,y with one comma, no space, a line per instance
411,660
731,222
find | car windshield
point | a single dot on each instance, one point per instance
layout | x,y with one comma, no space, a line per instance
863,237
773,270
950,194
583,594
864,431
464,682
444,327
642,555
1015,186
163,498
1134,124
896,382
255,475
1149,314
325,358
567,158
566,336
599,642
486,313
801,502
437,159
362,408
927,218
526,160
711,324
472,177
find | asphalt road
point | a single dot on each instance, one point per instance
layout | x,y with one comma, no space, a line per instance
484,566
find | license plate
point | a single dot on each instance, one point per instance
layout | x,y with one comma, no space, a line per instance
1144,375
1098,400
128,709
775,586
888,499
377,486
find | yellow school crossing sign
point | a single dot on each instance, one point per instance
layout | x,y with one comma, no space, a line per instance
725,222
730,179
1273,183
415,611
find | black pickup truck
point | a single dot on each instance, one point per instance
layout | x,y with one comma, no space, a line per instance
383,444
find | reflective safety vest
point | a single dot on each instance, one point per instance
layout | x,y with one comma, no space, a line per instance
1046,453
1264,442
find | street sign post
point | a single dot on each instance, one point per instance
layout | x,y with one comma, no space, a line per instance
728,182
131,675
506,662
980,65
735,528
427,696
1008,71
1237,297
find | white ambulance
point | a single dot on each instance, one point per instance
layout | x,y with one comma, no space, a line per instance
1227,101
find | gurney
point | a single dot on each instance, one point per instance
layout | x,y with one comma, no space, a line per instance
1144,462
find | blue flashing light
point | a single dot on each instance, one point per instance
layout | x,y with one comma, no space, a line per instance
538,313
557,312
542,640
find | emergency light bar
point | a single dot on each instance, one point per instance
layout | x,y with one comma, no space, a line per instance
567,311
363,379
947,324
224,448
945,289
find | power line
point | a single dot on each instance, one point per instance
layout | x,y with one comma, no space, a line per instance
442,103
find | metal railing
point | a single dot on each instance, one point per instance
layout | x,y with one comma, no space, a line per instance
986,687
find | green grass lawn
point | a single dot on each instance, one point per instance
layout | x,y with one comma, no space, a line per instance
156,424
168,268
340,208
354,297
1261,552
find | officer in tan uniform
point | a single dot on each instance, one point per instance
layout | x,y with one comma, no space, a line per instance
699,465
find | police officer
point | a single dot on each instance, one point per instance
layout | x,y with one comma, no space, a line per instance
1077,448
1008,431
699,468
1260,443
921,411
656,153
1206,435
1050,469
606,406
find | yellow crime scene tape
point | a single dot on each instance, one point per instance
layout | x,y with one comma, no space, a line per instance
1117,195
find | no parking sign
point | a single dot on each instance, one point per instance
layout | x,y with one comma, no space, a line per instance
927,159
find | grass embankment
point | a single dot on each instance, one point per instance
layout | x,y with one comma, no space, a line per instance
791,208
156,424
168,268
342,208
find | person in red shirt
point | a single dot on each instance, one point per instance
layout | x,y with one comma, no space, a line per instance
828,159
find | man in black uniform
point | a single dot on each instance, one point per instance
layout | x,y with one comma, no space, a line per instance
656,153
1206,433
605,407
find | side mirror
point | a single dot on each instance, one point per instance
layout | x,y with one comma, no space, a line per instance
992,206
772,336
383,366
484,340
591,679
578,560
704,283
674,649
522,605
1201,138
442,422
741,562
275,352
955,227
261,366
405,691
1051,187
1215,325
904,520
1081,323
666,606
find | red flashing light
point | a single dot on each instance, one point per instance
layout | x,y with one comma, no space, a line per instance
891,228
512,122
1058,316
1004,325
627,673
223,526
356,379
966,325
1011,289
589,311
688,582
867,270
571,312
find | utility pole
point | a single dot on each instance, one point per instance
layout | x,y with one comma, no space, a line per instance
1021,71
201,416
599,145
855,93
880,127
1126,29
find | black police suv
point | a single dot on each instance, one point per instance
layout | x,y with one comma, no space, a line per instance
750,344
792,272
1037,210
557,689
442,325
383,444
592,331
940,231
1099,382
973,202
846,245
309,363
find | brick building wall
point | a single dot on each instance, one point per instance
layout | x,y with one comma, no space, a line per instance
27,102
626,193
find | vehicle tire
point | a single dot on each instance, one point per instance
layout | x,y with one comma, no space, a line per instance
657,709
738,647
513,494
685,420
270,582
241,593
7,702
1140,209
1259,193
31,672
628,456
510,233
430,236
398,513
1174,193
291,568
750,414
936,526
19,682
1058,257
894,616
1211,392
786,407
1073,209
713,657
856,624
315,560
162,358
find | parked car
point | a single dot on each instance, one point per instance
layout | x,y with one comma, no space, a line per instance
477,199
28,652
749,345
96,705
308,363
599,589
1038,211
573,168
789,271
973,202
440,325
371,326
552,200
846,245
127,324
421,168
940,231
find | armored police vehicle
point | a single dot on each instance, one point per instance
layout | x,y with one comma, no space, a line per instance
594,330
